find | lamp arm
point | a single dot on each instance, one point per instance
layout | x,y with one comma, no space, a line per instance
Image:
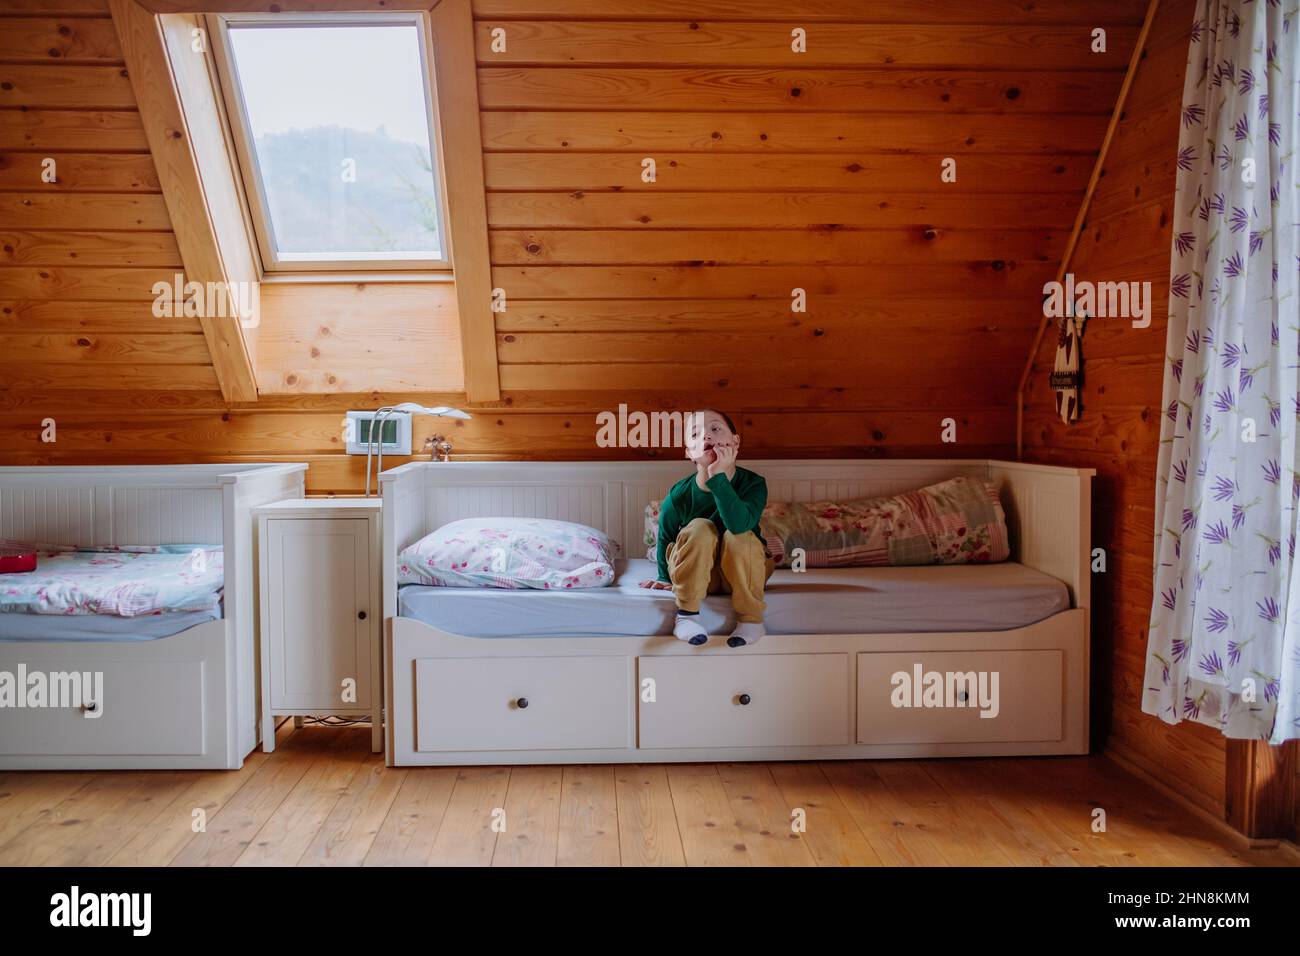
379,468
370,444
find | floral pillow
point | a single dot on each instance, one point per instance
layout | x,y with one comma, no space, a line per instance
959,521
510,553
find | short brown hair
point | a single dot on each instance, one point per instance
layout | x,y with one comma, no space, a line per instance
721,414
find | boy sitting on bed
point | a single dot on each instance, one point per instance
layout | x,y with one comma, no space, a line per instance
709,541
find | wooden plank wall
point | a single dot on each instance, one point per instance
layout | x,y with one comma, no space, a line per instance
1127,238
775,170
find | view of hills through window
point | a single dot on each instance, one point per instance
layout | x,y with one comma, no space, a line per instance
340,133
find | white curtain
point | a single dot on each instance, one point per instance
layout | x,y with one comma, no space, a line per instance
1224,640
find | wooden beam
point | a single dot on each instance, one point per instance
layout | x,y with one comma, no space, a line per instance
1261,789
214,152
1082,214
190,200
462,150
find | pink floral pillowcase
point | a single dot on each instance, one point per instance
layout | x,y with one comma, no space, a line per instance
958,521
516,553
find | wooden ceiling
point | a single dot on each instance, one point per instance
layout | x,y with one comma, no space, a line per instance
775,170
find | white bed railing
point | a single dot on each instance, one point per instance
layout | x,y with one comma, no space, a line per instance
1048,507
125,504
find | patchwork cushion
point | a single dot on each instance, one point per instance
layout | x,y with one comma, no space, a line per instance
958,521
652,530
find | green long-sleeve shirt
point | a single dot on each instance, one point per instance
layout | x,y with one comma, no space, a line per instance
735,506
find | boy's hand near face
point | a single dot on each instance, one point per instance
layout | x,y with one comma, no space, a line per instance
724,460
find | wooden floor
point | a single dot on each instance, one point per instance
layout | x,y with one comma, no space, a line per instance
322,799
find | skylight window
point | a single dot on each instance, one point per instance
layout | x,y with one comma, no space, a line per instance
333,123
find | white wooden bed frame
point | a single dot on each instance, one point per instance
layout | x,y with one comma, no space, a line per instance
454,700
179,702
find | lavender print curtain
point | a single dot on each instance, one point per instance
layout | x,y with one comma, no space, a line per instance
1224,640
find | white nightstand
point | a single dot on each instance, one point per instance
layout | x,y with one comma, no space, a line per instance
319,605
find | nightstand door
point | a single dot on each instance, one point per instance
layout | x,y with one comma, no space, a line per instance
320,612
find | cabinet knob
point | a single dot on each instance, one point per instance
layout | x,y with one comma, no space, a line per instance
744,700
361,615
522,703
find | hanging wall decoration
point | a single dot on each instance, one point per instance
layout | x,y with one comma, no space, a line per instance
1067,375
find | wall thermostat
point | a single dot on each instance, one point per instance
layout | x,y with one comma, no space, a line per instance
394,440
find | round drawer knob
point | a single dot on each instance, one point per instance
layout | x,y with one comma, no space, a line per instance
361,615
744,700
522,703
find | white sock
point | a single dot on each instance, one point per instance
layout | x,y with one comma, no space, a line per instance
746,633
687,628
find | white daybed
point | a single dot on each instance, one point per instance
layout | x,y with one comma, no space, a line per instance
184,701
523,699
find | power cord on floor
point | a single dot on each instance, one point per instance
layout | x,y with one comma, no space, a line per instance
330,721
333,721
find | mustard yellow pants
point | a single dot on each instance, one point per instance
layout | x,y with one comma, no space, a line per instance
700,562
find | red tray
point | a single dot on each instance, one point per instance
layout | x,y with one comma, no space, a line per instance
13,560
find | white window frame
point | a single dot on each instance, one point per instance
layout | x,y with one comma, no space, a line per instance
319,266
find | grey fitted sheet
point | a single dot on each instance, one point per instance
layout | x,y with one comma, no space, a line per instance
966,597
100,627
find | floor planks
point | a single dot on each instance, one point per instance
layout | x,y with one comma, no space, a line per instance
322,799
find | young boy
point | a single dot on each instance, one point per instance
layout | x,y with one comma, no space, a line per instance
709,541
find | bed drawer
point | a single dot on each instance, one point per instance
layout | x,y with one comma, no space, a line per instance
149,709
1027,705
745,700
522,703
